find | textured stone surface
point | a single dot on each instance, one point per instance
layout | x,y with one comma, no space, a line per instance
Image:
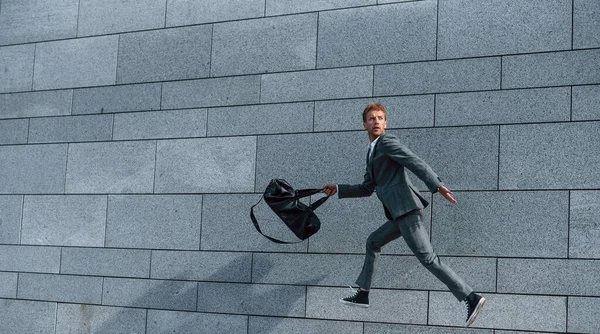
267,45
584,227
160,124
586,103
190,322
583,315
501,107
252,299
154,221
567,151
13,131
48,103
116,99
179,53
307,326
402,112
105,262
205,165
10,219
70,129
35,169
586,31
64,220
112,16
195,12
437,76
544,313
317,85
23,21
30,259
16,63
123,167
279,7
506,224
408,307
172,295
377,34
226,225
76,63
60,288
551,69
22,316
374,328
81,318
202,266
8,285
554,277
211,92
261,119
478,28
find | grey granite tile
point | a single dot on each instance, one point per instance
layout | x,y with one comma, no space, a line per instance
583,315
8,285
226,225
81,318
437,76
306,326
501,107
506,224
160,124
586,31
374,328
196,12
202,266
211,92
191,322
551,69
13,131
154,221
113,16
115,99
33,104
64,220
568,153
276,44
543,313
30,259
22,316
10,219
144,293
32,169
317,85
477,28
518,332
252,299
60,288
402,112
205,165
279,7
261,119
408,307
17,64
584,229
549,277
167,54
586,103
70,129
120,167
377,34
76,63
105,262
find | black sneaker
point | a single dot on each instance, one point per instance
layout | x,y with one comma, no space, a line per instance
359,298
475,303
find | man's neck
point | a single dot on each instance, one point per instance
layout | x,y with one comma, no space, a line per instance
373,137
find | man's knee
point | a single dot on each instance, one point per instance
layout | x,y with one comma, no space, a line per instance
373,243
427,259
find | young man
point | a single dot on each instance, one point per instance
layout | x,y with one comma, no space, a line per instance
386,162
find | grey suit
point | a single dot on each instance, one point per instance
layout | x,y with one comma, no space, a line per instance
386,175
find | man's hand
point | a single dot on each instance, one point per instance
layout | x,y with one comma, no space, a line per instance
330,189
447,194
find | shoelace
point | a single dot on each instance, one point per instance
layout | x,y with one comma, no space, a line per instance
468,308
354,292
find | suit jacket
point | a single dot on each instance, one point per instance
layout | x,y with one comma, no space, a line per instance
386,175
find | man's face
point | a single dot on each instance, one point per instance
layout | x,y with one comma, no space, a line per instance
375,123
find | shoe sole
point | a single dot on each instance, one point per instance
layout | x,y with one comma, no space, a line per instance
476,313
354,304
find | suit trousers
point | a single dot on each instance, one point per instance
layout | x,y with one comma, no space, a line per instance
412,229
